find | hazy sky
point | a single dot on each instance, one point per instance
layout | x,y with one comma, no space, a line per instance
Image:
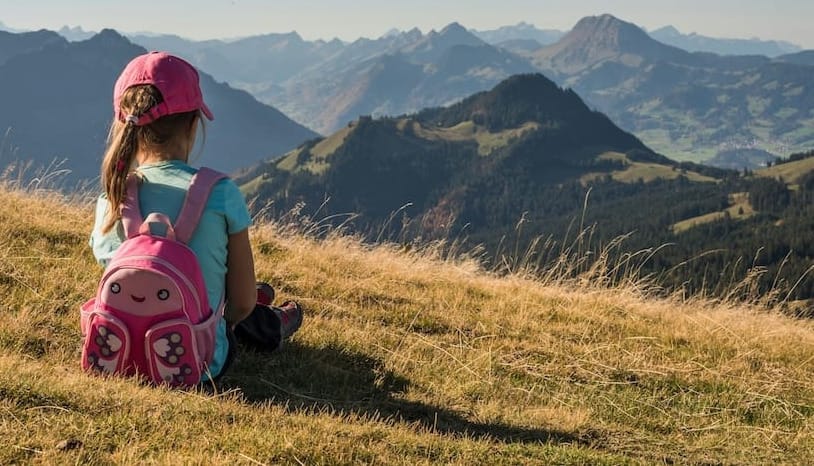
789,20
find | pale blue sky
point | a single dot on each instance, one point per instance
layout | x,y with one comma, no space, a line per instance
789,20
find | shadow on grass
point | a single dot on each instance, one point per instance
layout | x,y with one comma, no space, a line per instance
336,379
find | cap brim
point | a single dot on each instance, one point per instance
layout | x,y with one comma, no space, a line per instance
207,113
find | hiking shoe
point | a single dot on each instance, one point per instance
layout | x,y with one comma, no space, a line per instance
265,294
290,314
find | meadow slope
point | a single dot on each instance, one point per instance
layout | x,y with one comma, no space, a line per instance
406,357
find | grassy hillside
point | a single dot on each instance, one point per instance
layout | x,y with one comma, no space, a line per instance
406,357
632,171
790,172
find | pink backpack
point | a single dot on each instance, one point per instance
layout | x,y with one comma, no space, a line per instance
151,314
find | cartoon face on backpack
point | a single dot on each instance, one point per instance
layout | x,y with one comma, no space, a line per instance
141,292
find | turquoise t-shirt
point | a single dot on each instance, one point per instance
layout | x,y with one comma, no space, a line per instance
163,190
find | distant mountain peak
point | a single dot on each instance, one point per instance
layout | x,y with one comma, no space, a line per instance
605,32
521,31
605,23
107,38
67,28
430,47
667,31
75,33
109,34
293,35
595,39
455,34
454,27
414,33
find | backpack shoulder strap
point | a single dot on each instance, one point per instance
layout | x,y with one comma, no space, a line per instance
199,189
131,212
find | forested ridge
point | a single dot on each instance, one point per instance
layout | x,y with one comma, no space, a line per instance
427,176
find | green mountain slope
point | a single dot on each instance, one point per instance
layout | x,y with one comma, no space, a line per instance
525,131
529,160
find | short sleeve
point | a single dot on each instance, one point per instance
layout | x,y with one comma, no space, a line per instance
235,209
103,245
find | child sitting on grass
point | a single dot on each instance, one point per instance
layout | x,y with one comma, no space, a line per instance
158,106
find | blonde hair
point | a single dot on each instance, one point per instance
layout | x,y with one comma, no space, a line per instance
125,139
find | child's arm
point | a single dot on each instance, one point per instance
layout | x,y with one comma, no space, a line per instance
241,290
103,246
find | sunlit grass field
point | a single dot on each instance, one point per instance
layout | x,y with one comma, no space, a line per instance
405,357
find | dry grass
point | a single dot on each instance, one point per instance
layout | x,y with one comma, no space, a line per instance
406,357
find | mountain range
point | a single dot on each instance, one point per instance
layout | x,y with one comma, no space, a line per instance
527,36
731,111
529,152
698,43
728,110
63,89
528,163
327,84
524,35
414,72
688,106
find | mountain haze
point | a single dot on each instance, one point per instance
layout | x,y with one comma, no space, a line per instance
267,58
12,44
327,84
688,106
698,106
76,33
805,57
698,43
57,105
521,31
415,71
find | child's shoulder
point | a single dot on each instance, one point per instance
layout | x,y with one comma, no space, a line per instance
226,194
225,186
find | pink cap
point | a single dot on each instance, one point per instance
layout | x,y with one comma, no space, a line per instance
176,79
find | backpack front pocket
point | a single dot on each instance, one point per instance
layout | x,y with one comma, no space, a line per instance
107,344
172,353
